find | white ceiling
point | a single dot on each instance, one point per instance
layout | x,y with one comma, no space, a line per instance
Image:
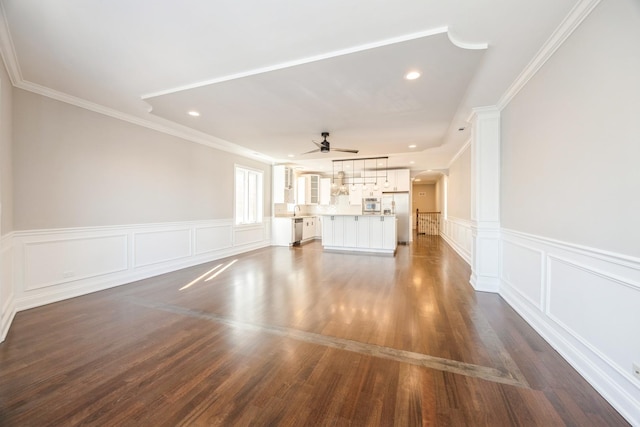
269,76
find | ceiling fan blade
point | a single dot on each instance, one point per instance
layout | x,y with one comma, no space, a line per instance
345,150
318,144
312,151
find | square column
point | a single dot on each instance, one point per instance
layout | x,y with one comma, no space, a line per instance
485,199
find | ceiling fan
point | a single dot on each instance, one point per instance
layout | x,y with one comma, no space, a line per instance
324,146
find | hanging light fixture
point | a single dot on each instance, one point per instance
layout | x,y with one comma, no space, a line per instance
375,184
343,188
333,176
353,175
365,184
386,173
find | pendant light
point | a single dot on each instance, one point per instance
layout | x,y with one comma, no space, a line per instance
386,174
353,175
375,185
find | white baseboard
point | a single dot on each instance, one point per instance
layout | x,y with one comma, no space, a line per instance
457,233
584,302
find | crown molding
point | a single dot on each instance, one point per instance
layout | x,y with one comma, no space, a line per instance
7,50
572,21
171,128
10,59
459,153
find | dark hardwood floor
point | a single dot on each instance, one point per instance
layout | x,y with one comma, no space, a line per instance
293,337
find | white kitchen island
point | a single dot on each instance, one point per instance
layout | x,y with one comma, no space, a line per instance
360,233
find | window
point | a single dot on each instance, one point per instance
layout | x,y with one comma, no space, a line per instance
248,196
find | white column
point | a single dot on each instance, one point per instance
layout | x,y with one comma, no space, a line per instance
485,199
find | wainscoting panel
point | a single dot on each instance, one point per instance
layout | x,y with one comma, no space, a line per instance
600,311
586,303
154,247
7,302
457,233
523,266
248,235
44,266
52,262
213,238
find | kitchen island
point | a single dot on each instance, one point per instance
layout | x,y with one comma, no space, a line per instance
360,233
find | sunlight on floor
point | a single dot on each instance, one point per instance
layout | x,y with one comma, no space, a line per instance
208,273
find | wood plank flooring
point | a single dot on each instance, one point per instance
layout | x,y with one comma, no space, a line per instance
292,337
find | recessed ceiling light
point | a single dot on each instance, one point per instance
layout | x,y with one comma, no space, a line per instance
412,75
194,113
411,162
413,146
418,179
290,155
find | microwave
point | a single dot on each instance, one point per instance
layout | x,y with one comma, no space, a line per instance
371,206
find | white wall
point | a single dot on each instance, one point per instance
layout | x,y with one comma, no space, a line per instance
459,187
571,140
425,202
77,168
570,191
456,224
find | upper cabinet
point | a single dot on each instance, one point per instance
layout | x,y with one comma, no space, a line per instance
325,191
399,180
283,191
308,190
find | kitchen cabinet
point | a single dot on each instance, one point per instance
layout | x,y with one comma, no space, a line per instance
308,190
363,231
350,232
318,227
355,195
399,180
360,233
282,231
283,191
325,191
370,180
333,230
309,228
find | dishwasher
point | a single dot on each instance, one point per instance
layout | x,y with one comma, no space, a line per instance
298,223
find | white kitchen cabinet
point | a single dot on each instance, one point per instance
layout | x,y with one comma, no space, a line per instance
309,228
360,233
362,229
327,231
318,227
308,189
372,179
350,231
355,195
325,191
333,230
282,231
390,233
399,180
376,232
283,191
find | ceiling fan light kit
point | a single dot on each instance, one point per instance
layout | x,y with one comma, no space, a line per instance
324,146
